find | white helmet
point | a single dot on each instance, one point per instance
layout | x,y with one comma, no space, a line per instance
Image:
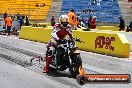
64,20
94,17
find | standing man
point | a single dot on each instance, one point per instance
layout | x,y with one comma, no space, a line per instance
129,28
89,20
122,24
72,18
5,15
8,22
20,20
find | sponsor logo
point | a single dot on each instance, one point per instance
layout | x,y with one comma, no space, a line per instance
104,42
103,78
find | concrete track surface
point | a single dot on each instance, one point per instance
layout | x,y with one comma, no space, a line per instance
16,71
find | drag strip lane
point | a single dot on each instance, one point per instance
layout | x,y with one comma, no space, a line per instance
16,76
24,50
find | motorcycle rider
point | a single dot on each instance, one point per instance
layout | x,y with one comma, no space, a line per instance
60,31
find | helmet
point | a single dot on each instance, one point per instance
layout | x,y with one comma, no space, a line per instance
94,17
64,20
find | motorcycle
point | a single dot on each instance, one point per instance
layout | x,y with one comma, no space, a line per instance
65,55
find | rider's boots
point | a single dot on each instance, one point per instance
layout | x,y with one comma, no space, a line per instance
48,61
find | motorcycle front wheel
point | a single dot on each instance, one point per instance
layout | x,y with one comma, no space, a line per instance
76,64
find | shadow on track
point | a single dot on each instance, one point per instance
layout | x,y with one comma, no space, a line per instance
54,73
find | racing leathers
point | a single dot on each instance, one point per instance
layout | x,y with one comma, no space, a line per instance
59,32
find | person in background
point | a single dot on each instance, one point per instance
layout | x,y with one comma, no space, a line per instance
4,26
53,21
129,27
5,15
76,23
72,18
86,23
82,23
79,21
93,22
27,21
8,22
18,16
15,18
82,20
122,24
20,20
89,20
24,20
12,17
37,5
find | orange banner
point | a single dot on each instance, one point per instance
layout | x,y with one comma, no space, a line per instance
105,78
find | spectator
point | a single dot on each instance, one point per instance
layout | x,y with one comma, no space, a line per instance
23,17
82,22
93,22
37,5
18,16
53,21
12,17
20,20
129,28
5,15
27,21
15,18
76,22
72,18
89,20
130,25
86,23
8,22
79,18
24,20
122,24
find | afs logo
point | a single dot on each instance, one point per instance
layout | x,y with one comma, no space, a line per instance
104,42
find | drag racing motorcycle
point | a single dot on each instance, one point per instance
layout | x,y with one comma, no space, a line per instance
66,56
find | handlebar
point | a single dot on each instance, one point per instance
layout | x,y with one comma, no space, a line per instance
78,40
73,39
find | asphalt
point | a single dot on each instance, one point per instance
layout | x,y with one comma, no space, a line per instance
16,70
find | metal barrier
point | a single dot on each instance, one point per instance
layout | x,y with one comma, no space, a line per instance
108,43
